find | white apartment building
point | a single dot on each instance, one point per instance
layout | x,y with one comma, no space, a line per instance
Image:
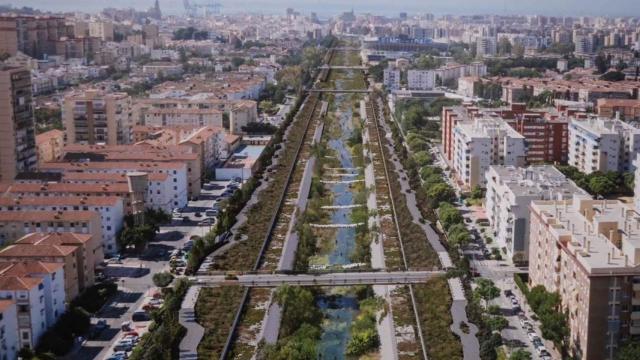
510,191
29,295
391,77
183,117
110,208
457,71
486,46
421,79
482,143
598,144
9,345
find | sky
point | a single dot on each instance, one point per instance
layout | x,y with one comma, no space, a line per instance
327,8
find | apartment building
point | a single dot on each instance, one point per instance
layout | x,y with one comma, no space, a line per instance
598,144
97,117
486,46
53,281
391,77
183,117
163,69
588,252
625,109
17,138
32,35
168,190
451,116
110,208
149,157
453,72
241,114
482,143
86,260
510,190
421,79
49,145
29,295
9,330
15,224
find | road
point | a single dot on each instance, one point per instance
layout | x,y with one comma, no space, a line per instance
134,276
331,279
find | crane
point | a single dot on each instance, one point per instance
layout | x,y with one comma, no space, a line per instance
205,8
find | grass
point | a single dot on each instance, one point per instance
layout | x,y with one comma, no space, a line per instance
434,305
215,311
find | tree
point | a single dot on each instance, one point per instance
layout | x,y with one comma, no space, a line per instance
449,215
422,158
427,62
458,235
601,185
489,345
520,354
162,279
629,351
613,76
518,50
477,192
440,193
602,64
298,307
496,323
504,46
486,289
138,236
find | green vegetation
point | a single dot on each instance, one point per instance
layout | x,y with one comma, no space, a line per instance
364,334
613,76
521,355
256,128
162,279
215,310
599,183
59,339
162,341
299,327
190,33
548,308
434,307
629,351
47,119
502,67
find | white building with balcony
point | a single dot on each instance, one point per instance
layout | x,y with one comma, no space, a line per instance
421,79
481,143
510,191
598,144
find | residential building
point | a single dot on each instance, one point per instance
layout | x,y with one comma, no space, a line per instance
486,46
598,144
241,114
509,192
9,329
421,79
49,145
163,69
624,109
32,35
183,117
110,208
86,260
588,252
52,275
15,224
29,295
97,117
17,138
391,77
482,143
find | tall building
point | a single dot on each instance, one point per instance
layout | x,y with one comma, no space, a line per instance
486,46
510,191
588,251
482,143
96,117
391,77
9,322
17,138
33,35
597,144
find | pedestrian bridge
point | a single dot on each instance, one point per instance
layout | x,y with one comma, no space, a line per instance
328,279
342,67
335,91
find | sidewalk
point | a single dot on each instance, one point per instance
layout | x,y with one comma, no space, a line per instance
195,332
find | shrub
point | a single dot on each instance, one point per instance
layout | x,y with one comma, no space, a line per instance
162,279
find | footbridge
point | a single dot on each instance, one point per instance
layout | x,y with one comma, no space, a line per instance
326,279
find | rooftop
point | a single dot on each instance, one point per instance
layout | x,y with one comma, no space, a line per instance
543,181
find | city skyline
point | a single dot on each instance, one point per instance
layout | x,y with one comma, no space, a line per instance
333,7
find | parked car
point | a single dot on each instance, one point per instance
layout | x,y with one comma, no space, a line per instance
140,316
121,354
532,336
211,213
124,345
126,326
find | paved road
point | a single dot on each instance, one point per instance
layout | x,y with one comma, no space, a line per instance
331,279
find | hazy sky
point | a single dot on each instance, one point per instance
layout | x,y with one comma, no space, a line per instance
387,7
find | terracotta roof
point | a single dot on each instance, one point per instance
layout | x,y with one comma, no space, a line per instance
51,134
115,165
19,283
15,200
30,250
29,268
69,188
64,238
114,177
33,216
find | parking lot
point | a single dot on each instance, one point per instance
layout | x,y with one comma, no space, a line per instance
133,274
